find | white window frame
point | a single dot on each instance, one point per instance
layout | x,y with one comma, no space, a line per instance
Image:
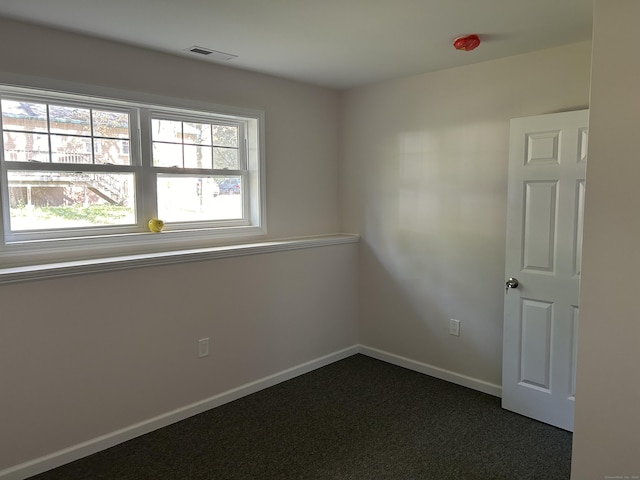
148,115
38,247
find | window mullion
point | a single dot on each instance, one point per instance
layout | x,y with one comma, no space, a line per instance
182,141
69,167
147,184
243,147
93,141
4,192
49,133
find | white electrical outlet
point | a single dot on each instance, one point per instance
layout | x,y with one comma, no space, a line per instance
454,327
203,347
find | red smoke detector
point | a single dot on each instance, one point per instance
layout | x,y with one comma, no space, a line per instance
467,43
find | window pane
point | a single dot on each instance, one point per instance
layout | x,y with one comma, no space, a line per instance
111,151
26,116
167,155
67,149
198,133
166,131
225,158
70,120
225,136
25,147
110,124
197,156
185,198
45,200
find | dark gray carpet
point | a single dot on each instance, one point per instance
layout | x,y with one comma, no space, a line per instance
355,419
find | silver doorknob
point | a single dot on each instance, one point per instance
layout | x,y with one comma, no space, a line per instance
511,283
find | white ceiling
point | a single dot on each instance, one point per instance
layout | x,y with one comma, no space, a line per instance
333,43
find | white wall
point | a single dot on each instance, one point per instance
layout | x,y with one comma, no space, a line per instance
607,418
84,356
424,181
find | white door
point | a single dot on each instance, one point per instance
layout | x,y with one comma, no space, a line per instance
547,163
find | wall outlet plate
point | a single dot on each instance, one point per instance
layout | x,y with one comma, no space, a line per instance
454,327
203,347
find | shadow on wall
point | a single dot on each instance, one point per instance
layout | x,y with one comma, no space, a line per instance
405,310
433,247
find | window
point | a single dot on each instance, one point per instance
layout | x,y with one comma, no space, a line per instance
206,147
85,174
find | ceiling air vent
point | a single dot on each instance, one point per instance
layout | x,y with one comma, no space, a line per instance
210,54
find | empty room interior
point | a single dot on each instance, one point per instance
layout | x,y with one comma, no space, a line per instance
373,208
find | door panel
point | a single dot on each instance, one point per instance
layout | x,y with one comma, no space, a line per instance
579,220
547,160
539,212
535,344
574,350
542,148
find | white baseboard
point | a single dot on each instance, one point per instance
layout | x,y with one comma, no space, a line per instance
449,376
56,459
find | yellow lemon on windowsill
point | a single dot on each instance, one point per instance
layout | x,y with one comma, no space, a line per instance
156,225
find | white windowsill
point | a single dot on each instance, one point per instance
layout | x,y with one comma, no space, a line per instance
80,267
